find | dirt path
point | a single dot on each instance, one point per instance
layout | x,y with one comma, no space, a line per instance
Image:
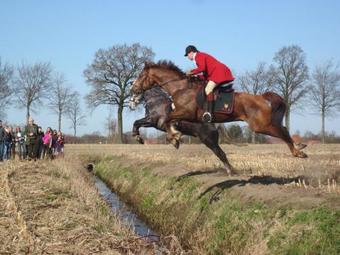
50,208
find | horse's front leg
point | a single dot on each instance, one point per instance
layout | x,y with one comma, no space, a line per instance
173,134
144,122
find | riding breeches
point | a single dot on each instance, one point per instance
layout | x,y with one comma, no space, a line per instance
210,87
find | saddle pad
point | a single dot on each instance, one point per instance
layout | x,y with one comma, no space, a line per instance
224,100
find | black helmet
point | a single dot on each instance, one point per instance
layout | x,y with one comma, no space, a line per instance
189,49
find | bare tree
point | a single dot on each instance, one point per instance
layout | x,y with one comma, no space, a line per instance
111,125
111,74
31,85
291,74
325,92
6,73
256,82
59,97
74,112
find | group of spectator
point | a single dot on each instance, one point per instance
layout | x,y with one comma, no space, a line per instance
32,143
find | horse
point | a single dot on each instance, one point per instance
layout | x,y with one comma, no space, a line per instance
157,108
263,113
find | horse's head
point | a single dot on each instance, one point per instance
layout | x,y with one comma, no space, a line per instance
164,73
143,82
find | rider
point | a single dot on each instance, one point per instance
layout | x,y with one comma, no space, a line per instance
214,71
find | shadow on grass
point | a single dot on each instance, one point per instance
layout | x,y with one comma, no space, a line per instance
264,180
199,172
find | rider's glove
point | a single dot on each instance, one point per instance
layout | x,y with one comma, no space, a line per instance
189,73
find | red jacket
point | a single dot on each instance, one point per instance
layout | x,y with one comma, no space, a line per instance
213,69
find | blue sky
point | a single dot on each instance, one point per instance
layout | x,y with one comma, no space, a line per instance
239,33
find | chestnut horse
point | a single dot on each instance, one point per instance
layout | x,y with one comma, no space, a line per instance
263,113
157,108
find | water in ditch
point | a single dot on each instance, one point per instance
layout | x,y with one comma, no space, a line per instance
123,211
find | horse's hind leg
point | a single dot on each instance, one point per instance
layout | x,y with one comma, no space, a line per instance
210,139
282,133
276,129
298,146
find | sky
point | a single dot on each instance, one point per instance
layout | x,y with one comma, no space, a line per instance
238,33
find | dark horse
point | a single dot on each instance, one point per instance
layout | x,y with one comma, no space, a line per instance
157,109
263,113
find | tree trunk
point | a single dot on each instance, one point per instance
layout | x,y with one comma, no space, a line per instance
27,113
120,123
323,127
287,118
59,121
75,129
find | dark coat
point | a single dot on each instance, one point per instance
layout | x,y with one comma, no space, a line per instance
31,129
2,134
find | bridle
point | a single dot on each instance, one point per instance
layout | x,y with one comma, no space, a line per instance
169,81
172,80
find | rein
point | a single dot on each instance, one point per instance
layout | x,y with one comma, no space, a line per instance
177,79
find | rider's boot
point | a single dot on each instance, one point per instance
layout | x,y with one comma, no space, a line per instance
207,115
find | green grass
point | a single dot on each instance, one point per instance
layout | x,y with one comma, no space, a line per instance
228,225
309,232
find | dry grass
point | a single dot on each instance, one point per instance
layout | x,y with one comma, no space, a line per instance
54,208
321,170
264,210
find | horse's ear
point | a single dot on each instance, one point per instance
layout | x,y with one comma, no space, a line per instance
147,64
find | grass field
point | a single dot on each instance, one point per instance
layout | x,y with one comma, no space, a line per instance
276,204
53,208
321,169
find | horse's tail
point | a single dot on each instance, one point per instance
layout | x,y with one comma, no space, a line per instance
278,107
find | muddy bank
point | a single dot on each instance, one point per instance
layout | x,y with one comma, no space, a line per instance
54,208
211,213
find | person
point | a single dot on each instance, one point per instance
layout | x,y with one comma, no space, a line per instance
13,143
2,141
54,143
47,143
215,72
60,144
8,143
39,142
20,143
31,131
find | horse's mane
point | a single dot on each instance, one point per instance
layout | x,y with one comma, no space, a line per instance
166,64
169,65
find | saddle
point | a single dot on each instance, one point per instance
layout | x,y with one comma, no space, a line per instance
223,98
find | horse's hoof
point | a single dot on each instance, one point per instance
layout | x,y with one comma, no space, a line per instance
301,155
139,139
175,143
300,146
230,170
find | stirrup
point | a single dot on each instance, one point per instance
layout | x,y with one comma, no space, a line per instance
207,117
